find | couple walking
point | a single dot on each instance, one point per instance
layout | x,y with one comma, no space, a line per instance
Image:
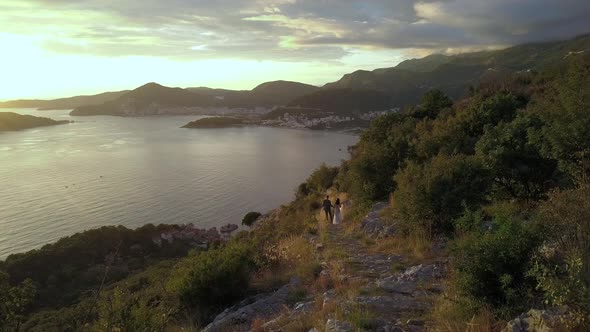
336,218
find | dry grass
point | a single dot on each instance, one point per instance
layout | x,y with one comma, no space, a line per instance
416,246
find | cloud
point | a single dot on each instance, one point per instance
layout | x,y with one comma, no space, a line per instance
287,30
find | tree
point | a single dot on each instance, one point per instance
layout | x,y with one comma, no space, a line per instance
14,302
514,162
433,102
565,108
432,195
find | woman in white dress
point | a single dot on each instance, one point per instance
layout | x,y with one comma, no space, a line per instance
337,212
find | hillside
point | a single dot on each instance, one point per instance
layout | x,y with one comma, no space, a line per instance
63,103
10,121
405,83
154,99
215,122
458,216
149,99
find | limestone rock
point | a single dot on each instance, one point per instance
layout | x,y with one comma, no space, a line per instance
259,307
538,321
333,325
373,226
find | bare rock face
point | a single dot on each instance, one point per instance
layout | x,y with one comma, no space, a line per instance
539,321
372,225
406,282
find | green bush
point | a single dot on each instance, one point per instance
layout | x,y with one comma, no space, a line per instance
434,194
383,149
250,218
492,268
320,180
432,103
517,166
563,268
14,302
215,278
565,108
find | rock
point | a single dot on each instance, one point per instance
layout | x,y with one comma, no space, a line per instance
303,307
319,247
329,297
391,303
415,322
373,226
539,321
333,325
394,286
421,273
258,307
406,282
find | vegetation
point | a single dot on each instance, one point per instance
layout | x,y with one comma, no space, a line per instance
250,218
504,174
501,174
10,121
214,122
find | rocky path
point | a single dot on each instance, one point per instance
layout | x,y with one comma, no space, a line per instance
366,290
393,294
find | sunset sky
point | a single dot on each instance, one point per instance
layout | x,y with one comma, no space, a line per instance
59,48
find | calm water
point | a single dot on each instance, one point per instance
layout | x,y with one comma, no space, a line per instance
59,180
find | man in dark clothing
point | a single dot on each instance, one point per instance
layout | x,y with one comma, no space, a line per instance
328,208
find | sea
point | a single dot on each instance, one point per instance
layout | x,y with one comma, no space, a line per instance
106,170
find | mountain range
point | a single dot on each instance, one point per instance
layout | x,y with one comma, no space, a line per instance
360,91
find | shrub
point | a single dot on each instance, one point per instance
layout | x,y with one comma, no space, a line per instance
321,179
382,150
250,218
432,103
214,278
565,108
563,268
492,268
14,301
433,194
517,166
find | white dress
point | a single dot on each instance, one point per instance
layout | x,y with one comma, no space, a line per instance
337,214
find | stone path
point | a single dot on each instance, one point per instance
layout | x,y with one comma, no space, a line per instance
396,297
392,294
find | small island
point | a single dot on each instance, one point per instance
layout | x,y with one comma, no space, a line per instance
215,122
10,121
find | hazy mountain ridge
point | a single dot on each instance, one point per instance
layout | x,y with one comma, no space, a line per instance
155,99
390,88
63,103
406,82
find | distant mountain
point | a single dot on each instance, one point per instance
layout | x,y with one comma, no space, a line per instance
408,81
269,94
153,99
10,121
344,100
150,99
63,103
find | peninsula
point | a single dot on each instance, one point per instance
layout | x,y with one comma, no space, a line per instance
10,121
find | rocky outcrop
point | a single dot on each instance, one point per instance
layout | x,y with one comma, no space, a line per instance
240,317
333,325
539,321
373,226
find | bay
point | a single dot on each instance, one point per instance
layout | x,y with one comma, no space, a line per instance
102,170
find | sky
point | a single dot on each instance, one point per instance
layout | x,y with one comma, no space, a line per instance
60,48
